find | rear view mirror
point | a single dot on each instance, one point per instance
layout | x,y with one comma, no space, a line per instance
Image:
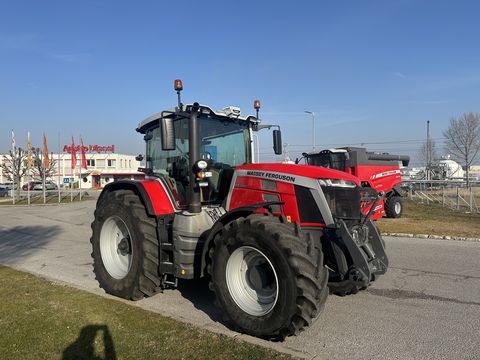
277,142
168,134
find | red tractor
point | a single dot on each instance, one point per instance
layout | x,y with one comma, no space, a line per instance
380,172
271,238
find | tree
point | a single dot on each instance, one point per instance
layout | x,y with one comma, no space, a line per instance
462,139
38,166
14,167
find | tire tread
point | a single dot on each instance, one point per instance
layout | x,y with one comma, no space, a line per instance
310,276
147,280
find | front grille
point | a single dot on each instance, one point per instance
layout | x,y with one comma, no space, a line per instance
307,207
344,203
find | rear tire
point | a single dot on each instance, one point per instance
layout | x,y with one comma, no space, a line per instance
125,246
268,279
393,207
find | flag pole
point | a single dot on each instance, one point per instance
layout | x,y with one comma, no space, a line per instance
80,183
45,163
13,167
58,169
43,177
28,186
80,179
44,193
73,156
71,181
29,167
71,176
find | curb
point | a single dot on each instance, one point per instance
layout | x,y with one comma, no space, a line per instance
438,237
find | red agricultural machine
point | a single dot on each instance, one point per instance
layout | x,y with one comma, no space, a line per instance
271,238
380,172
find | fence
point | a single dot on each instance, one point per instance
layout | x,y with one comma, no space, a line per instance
24,197
450,194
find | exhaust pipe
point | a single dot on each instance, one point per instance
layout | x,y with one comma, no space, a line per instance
194,152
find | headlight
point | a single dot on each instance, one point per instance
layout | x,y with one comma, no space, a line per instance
337,183
202,164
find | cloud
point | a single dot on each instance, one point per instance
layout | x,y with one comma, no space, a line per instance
456,82
445,84
400,75
343,121
34,43
19,41
426,102
71,58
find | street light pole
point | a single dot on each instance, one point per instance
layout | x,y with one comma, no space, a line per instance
313,127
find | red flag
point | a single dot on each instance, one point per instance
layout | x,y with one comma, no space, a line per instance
74,155
84,160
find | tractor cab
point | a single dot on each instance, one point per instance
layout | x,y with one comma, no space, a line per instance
194,150
223,139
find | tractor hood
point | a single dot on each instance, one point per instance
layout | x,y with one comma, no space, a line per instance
315,172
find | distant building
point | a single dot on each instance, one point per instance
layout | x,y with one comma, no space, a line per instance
475,172
103,167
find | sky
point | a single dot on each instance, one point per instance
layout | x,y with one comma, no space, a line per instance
373,72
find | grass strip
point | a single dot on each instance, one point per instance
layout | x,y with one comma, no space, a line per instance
44,320
432,219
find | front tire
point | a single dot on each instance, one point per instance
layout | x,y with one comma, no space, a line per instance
125,246
268,279
394,207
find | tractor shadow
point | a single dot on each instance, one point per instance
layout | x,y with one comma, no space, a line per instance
198,293
19,242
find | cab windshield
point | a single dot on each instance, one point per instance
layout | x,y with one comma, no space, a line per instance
224,144
328,160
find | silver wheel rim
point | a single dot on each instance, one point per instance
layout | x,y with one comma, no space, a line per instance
113,231
252,281
397,208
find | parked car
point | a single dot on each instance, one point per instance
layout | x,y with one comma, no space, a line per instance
7,186
3,192
49,185
31,185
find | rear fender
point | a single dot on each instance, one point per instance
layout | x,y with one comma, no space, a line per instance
151,192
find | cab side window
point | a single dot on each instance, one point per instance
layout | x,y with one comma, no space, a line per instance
171,165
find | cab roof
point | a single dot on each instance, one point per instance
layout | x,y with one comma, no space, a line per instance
228,113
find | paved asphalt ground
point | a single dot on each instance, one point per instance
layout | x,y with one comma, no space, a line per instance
426,307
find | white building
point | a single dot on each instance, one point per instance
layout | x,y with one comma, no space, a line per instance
475,172
102,168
